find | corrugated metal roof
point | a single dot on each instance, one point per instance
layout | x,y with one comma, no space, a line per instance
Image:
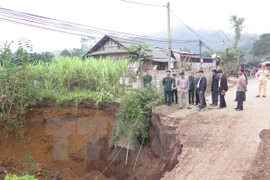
158,54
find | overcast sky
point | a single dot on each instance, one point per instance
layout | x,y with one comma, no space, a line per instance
122,16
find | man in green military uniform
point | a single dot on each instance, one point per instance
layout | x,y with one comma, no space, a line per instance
191,89
167,84
147,78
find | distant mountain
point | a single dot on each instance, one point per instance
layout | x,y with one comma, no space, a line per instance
215,39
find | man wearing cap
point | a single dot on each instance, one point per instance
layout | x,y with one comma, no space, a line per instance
222,88
262,76
174,89
167,84
183,87
241,90
147,78
214,88
201,87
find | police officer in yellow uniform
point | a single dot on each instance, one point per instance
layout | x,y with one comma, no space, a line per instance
167,84
262,75
147,78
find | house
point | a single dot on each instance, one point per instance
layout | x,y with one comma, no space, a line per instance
192,61
117,48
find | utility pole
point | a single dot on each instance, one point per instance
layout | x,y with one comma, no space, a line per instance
169,37
200,46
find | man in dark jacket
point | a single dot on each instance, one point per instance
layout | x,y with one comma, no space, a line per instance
191,88
223,88
201,87
174,90
197,77
214,88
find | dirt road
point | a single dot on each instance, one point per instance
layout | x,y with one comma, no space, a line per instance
220,144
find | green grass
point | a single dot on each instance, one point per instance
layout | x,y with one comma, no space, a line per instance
14,177
64,79
75,79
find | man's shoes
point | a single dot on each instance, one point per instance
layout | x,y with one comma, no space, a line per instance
180,108
239,109
264,96
236,108
189,108
257,96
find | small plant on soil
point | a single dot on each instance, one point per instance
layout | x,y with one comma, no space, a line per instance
15,177
33,166
132,119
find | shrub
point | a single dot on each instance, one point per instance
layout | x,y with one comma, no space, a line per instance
14,177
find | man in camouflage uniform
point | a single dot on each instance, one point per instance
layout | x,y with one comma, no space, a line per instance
167,84
147,78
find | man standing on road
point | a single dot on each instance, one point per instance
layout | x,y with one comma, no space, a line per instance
241,90
167,84
191,88
262,75
201,87
147,78
174,90
197,93
183,87
222,88
214,88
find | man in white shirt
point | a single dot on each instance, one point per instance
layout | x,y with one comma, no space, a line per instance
262,76
183,87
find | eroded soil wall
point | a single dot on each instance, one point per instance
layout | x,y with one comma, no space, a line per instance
70,143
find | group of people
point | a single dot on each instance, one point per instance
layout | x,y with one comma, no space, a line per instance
192,88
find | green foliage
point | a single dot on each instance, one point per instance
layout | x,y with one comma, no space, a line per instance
16,92
237,24
65,75
86,44
261,47
229,59
139,53
14,177
132,119
32,164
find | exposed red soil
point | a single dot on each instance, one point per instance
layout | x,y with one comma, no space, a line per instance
70,143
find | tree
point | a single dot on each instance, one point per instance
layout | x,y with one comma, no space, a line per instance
261,47
66,53
139,53
229,58
86,44
237,24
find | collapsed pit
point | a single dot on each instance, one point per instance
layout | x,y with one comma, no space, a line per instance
70,143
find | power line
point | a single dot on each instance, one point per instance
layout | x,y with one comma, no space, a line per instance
191,28
75,26
41,27
145,4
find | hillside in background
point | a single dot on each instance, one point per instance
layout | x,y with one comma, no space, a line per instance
213,38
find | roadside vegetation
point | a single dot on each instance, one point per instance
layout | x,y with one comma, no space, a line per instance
26,83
